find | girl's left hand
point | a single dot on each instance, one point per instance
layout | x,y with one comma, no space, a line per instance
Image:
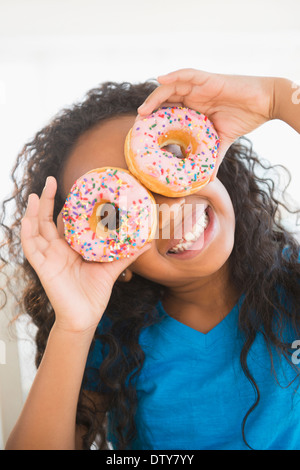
235,104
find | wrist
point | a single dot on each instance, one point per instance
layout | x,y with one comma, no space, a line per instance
279,95
287,102
84,336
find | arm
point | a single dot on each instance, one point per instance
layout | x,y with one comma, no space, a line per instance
79,292
48,417
236,104
287,102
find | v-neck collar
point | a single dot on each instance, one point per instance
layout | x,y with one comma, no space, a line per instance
226,330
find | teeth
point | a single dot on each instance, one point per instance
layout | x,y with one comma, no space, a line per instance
190,237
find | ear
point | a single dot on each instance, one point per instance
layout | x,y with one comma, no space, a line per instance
125,276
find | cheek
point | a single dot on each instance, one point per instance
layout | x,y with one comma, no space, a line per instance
221,247
224,208
223,244
148,265
227,231
228,218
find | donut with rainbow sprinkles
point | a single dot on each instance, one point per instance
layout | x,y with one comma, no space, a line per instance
108,215
160,170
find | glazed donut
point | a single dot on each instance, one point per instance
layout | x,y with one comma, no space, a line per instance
108,215
157,168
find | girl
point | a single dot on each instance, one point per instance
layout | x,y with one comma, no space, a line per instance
163,350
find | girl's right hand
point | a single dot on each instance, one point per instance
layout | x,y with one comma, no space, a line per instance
235,104
78,290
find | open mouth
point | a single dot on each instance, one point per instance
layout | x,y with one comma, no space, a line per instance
194,239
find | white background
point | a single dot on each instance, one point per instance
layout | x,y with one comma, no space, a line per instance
53,51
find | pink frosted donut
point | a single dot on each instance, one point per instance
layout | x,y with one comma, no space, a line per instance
161,171
108,215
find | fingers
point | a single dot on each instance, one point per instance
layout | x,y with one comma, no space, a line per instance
47,227
176,103
31,214
156,98
165,94
179,75
60,225
38,228
30,232
174,87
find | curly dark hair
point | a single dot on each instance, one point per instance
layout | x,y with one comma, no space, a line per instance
264,256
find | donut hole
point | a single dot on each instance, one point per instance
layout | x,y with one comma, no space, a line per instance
107,217
176,150
178,143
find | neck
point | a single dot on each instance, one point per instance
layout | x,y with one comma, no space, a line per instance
203,303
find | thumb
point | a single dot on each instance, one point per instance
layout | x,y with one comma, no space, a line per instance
60,224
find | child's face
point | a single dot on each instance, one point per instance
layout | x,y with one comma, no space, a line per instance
104,146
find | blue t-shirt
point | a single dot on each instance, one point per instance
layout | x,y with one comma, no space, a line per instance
193,394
